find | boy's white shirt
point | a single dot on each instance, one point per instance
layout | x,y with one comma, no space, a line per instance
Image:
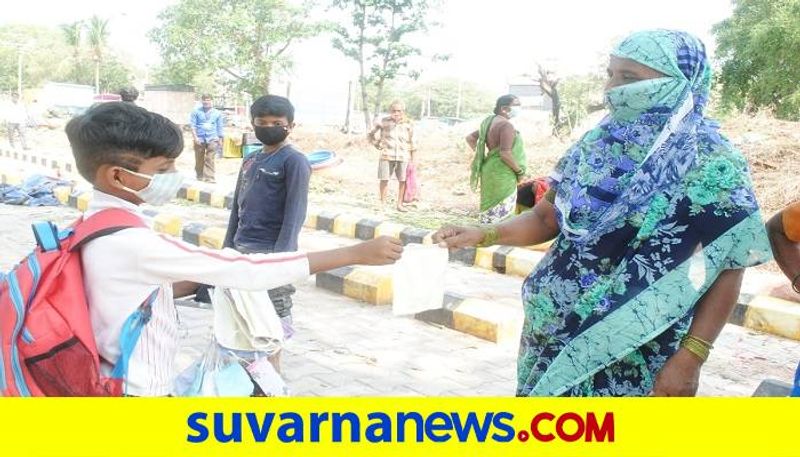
122,269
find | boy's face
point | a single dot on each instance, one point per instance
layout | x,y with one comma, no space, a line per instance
113,179
397,113
207,103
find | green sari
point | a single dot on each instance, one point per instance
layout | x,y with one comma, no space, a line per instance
497,182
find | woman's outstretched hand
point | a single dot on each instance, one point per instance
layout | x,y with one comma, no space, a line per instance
455,237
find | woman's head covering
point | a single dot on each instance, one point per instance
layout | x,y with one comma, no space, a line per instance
648,143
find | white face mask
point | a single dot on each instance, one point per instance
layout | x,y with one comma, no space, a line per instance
514,111
161,189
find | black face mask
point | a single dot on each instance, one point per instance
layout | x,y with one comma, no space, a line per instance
271,135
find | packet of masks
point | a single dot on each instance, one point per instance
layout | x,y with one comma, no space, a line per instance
419,279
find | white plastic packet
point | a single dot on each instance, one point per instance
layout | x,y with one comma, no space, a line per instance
419,279
246,320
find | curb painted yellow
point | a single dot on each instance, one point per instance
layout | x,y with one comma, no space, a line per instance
391,229
484,257
62,194
773,316
369,285
193,194
345,225
520,262
212,237
311,219
488,320
540,247
169,224
428,238
83,201
217,200
12,179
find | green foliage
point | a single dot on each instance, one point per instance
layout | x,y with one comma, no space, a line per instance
240,43
43,50
444,99
759,47
579,96
377,38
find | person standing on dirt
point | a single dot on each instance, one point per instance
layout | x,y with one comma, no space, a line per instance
16,121
499,162
393,136
129,94
207,131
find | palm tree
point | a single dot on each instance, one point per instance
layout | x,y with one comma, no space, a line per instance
98,38
73,35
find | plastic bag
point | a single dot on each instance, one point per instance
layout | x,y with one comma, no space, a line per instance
412,184
218,373
419,279
246,321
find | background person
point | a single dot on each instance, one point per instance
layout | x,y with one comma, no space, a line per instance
207,132
497,172
393,136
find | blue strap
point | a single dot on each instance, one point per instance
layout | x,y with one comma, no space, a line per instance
46,235
129,336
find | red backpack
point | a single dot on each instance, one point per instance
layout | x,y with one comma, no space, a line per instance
47,347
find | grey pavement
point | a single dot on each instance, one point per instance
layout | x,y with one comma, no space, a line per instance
347,348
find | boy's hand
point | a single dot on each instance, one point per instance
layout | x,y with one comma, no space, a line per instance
380,251
454,237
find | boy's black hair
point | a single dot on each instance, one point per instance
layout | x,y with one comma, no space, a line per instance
272,105
206,97
123,134
503,101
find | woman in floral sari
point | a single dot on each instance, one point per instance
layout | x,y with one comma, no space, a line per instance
654,220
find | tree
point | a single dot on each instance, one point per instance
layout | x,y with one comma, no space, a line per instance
242,42
73,35
579,97
36,45
377,40
758,47
443,97
549,85
98,38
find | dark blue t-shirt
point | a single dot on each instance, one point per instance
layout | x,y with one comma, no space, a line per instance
270,201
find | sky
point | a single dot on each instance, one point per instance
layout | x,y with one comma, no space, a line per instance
489,42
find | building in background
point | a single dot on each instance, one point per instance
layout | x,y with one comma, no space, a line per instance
173,101
530,93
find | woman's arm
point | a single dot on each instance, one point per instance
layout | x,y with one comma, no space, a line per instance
681,374
533,227
786,251
472,139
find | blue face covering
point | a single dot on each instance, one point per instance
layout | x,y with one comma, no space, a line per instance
233,381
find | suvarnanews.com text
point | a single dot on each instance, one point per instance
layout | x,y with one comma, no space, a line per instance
398,427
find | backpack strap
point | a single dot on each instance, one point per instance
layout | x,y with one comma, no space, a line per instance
103,223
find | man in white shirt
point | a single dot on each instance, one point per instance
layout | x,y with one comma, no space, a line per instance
16,120
129,153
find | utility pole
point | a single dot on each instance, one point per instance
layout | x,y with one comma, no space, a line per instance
458,102
349,102
19,70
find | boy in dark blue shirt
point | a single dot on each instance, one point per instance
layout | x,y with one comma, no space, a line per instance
271,196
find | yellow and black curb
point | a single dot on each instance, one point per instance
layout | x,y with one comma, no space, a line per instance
486,319
501,259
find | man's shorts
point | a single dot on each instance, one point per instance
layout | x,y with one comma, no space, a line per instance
387,168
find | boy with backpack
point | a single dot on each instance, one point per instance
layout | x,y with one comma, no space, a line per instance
53,344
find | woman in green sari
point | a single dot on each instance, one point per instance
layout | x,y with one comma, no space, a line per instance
654,220
497,172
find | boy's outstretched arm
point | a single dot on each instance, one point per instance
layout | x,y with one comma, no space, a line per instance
380,251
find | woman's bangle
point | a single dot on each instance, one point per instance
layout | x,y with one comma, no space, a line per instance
489,236
795,287
697,346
